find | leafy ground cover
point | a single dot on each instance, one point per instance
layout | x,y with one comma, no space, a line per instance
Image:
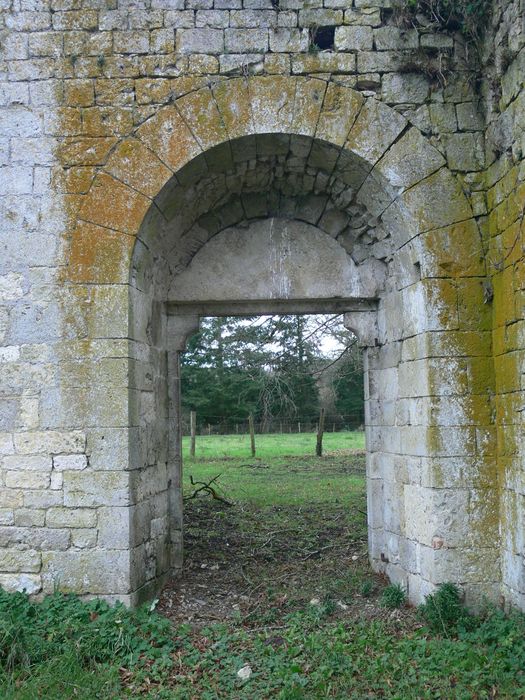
276,587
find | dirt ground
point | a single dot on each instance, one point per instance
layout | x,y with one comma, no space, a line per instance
253,564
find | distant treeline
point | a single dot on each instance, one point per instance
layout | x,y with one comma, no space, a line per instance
281,369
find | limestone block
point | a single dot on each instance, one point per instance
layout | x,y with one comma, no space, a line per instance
114,528
479,565
437,41
439,187
71,517
241,18
405,87
14,94
29,583
323,62
11,498
7,516
27,480
84,538
374,62
91,489
69,462
375,502
94,571
319,17
395,38
42,499
409,160
179,19
374,130
353,38
438,517
162,41
340,109
50,441
19,121
14,561
370,16
246,40
288,40
35,538
29,517
131,42
15,46
200,41
57,480
41,463
465,152
469,117
277,64
418,588
287,19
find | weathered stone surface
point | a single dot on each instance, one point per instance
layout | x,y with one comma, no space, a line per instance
98,572
91,489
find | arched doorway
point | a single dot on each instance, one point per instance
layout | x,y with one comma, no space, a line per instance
299,195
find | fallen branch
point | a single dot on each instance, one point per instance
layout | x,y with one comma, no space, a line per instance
207,487
255,466
317,551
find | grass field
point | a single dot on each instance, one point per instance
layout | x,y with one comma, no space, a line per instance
271,446
284,470
276,586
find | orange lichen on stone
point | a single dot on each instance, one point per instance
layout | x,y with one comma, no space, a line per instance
200,113
454,251
233,101
99,255
138,167
167,135
85,150
75,180
107,121
113,204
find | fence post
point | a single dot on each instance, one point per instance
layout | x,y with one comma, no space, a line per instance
320,431
252,434
193,431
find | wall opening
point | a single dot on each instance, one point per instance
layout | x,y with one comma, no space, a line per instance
284,515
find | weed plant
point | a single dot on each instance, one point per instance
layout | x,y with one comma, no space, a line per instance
443,610
393,596
468,16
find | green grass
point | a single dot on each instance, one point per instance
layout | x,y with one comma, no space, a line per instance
284,470
296,531
269,446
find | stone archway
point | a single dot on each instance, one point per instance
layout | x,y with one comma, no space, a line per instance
356,170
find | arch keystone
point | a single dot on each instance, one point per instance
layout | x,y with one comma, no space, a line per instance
309,96
272,99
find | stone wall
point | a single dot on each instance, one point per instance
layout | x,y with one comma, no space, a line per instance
504,234
131,133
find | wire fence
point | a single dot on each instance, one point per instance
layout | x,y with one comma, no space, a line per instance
305,424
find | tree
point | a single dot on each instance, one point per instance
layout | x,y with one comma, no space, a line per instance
268,366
